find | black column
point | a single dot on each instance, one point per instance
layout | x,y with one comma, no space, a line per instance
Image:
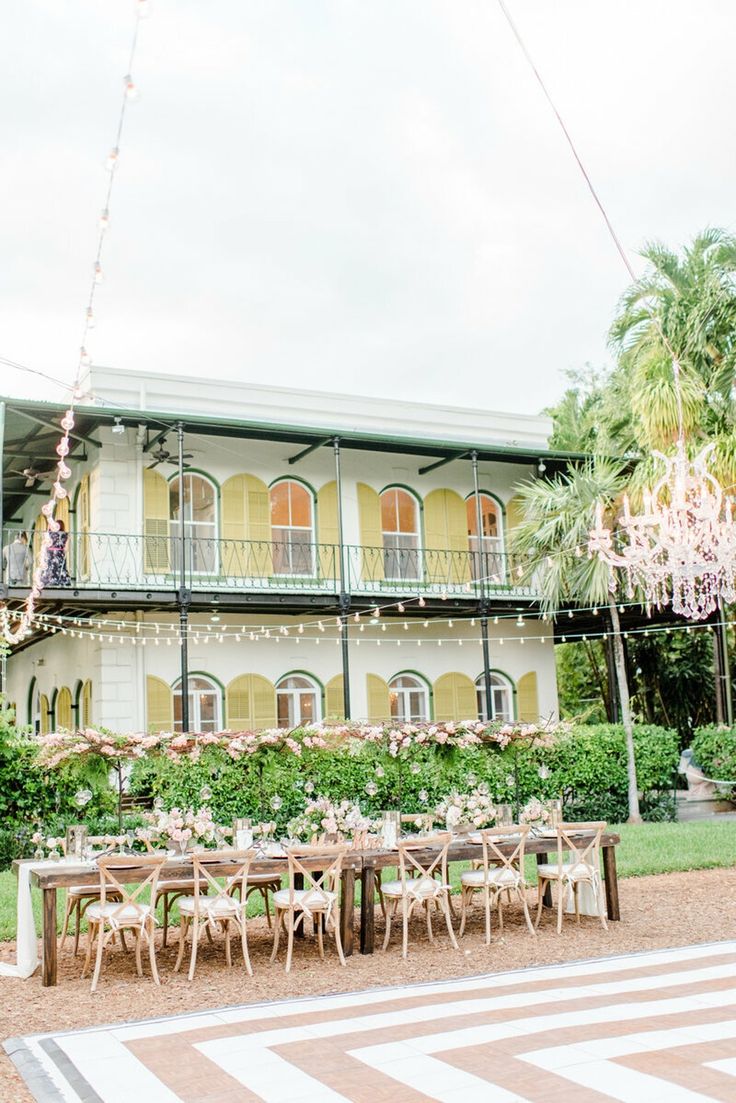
344,586
482,588
184,595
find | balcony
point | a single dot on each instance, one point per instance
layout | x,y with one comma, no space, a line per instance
116,562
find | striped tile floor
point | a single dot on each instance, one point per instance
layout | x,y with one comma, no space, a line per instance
647,1027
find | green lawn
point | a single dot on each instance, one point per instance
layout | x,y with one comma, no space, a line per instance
649,848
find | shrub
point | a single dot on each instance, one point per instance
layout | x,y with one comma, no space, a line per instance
714,750
588,767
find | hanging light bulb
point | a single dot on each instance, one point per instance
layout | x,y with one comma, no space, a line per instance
421,602
84,357
104,221
400,607
98,276
90,318
112,159
131,92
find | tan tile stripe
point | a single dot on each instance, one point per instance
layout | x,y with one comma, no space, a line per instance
684,1066
185,1069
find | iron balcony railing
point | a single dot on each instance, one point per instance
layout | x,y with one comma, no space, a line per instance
113,561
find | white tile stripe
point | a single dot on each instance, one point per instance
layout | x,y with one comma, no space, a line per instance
727,1065
581,1062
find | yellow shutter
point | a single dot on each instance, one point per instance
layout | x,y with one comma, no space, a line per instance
379,707
328,531
246,527
527,699
514,517
86,702
371,534
61,512
159,705
251,703
334,699
82,527
156,513
39,529
43,710
63,710
455,698
446,538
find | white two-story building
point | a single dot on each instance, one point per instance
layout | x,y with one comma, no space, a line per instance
316,556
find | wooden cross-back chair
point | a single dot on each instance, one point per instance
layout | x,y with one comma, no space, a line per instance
222,909
418,885
582,844
126,911
318,898
499,873
79,897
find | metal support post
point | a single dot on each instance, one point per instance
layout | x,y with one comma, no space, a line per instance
344,587
482,589
184,593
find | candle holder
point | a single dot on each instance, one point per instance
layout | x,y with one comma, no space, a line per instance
76,841
242,833
390,828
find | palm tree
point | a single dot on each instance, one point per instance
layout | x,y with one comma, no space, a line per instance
558,516
692,296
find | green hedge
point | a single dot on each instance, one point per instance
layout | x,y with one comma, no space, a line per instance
588,767
714,750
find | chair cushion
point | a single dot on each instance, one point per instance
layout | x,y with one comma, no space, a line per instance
186,884
420,887
499,877
217,906
130,913
264,879
569,871
311,899
92,891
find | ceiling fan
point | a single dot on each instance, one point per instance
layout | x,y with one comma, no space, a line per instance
32,475
161,454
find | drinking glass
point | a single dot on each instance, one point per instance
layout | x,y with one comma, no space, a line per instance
242,833
390,827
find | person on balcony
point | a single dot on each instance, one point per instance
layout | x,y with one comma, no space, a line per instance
56,573
17,560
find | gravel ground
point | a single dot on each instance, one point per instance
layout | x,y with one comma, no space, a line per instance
670,910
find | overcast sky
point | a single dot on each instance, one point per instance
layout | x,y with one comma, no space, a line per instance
356,195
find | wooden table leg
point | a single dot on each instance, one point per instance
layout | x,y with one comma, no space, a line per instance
543,859
611,880
367,909
48,968
347,910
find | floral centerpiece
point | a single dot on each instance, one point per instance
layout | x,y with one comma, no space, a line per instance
535,813
182,828
474,809
322,816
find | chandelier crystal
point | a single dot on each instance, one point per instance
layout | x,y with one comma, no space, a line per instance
681,549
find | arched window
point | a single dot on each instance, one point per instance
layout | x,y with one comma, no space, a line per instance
400,528
298,701
409,698
63,709
292,528
205,705
44,717
502,698
199,503
491,545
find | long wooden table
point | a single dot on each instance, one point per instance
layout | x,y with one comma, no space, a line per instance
365,863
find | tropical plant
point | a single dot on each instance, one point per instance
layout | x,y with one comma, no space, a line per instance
558,516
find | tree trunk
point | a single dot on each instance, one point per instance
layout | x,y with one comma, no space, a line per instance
623,694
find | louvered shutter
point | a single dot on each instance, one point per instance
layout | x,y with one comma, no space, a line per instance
371,534
43,710
156,513
446,538
527,698
514,517
334,699
159,705
251,703
39,529
455,698
82,527
328,532
246,528
86,701
63,717
379,707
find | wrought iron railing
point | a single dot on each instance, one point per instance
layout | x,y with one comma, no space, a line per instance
95,561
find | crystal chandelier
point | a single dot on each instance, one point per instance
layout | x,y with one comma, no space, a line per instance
681,548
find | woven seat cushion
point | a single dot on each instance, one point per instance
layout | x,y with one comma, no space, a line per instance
130,913
311,899
421,887
502,877
569,870
186,884
218,906
264,879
